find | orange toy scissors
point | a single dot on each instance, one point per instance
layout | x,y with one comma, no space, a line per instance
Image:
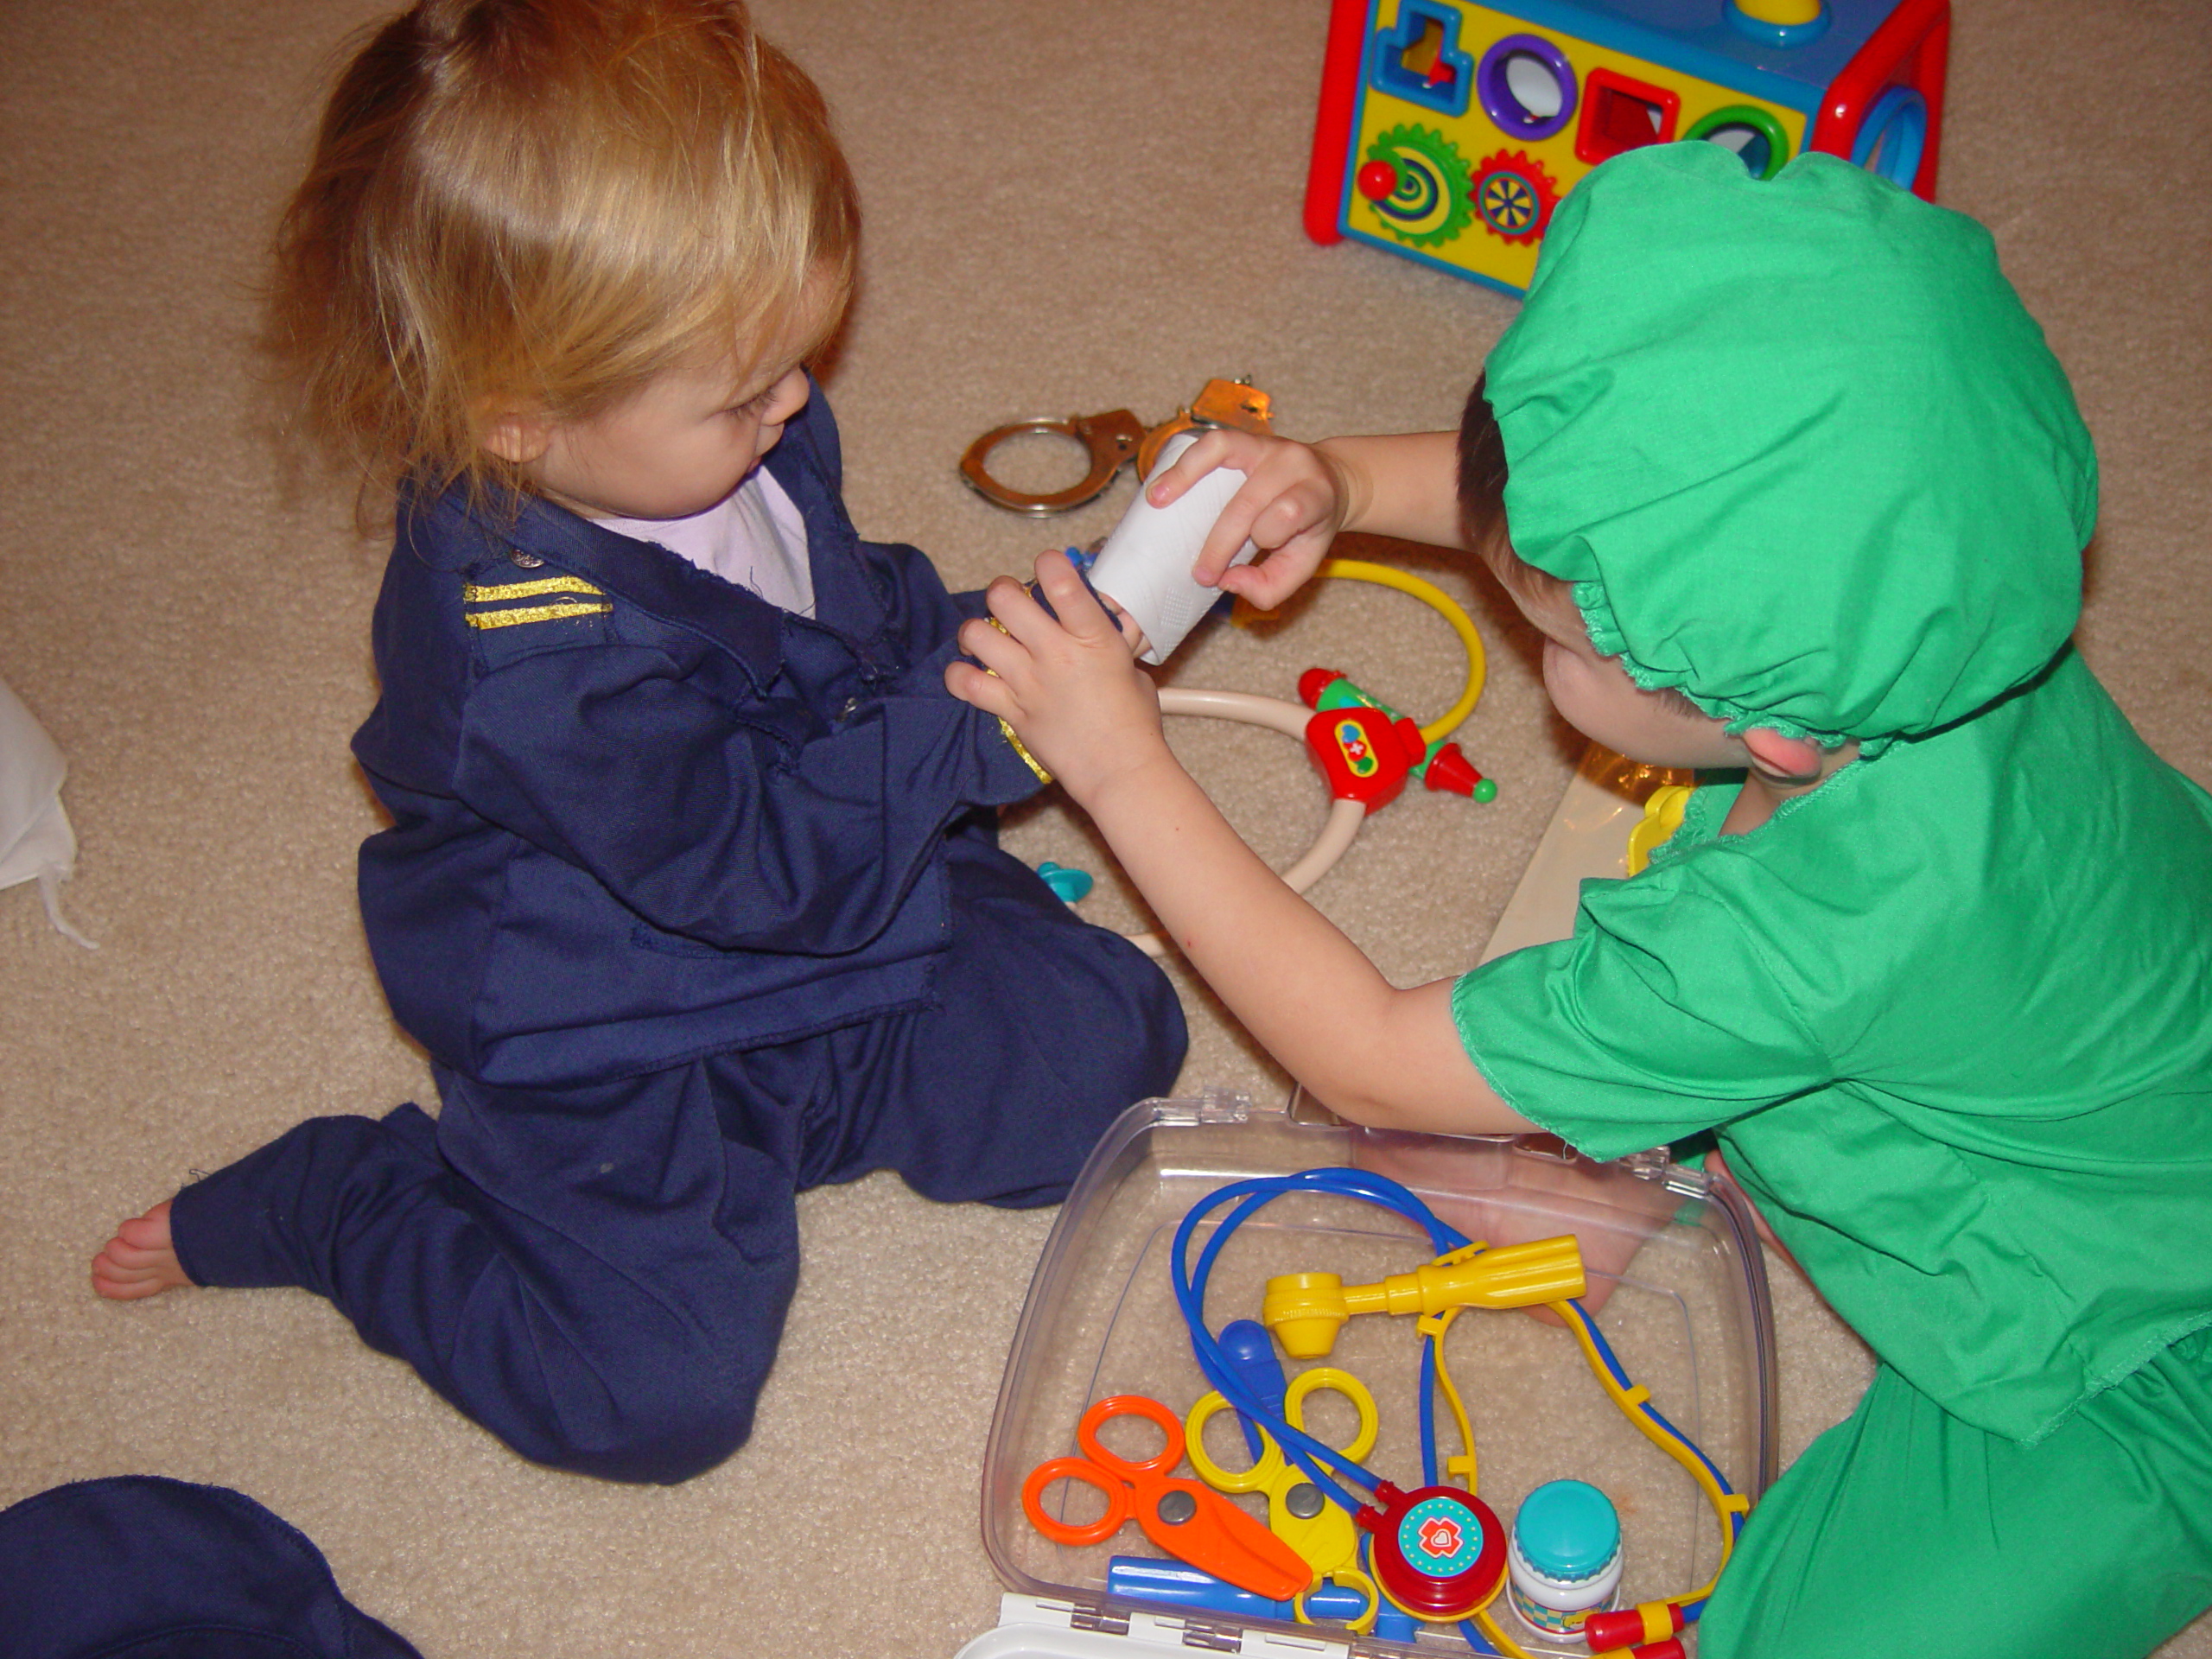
1190,1521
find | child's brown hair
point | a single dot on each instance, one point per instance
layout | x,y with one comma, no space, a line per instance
540,205
1482,504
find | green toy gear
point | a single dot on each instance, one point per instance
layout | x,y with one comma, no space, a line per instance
1418,183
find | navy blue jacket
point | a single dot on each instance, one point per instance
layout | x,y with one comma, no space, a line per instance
639,814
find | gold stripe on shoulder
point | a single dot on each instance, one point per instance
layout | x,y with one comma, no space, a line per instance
476,595
534,614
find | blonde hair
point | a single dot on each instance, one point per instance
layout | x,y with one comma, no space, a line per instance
541,205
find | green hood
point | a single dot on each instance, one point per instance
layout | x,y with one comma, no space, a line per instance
1798,444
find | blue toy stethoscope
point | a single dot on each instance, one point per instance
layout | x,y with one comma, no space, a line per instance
1438,1584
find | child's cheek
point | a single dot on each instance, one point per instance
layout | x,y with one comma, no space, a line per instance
1572,686
1560,672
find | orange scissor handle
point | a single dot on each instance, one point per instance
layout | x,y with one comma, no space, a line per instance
1130,1404
1088,1474
1190,1522
1103,1470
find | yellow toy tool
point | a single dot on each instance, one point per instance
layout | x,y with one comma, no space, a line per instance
1322,1532
1304,1310
1663,816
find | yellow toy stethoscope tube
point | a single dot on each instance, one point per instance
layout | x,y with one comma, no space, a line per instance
1444,605
1727,1506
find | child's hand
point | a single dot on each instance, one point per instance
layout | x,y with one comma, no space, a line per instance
1292,502
1070,689
1132,632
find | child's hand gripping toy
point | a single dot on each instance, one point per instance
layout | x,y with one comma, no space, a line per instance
1145,566
1365,749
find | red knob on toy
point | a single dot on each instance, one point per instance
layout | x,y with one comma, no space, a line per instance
1648,1625
1438,1553
1449,768
1376,181
1313,683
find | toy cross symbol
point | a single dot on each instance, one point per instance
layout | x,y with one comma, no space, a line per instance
1439,1537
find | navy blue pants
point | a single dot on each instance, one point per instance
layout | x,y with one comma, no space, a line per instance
599,1275
158,1569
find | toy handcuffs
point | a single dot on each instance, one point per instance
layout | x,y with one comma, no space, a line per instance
1112,439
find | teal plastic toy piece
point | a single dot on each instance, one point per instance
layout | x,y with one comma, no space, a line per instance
1067,884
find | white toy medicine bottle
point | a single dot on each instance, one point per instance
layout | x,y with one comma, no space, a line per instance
1565,1558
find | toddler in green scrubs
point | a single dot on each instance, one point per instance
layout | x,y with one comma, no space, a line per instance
1796,493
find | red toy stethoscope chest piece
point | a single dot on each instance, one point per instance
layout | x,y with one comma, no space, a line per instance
1438,1553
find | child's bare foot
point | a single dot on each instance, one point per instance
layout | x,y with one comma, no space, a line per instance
139,1261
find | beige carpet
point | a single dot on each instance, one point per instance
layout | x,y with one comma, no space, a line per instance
1069,208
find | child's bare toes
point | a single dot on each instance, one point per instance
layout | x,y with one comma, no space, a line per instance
148,1232
140,1260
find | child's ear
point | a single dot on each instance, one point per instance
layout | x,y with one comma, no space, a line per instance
518,437
1789,759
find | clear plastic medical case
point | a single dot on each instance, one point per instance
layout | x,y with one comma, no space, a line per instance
1677,1284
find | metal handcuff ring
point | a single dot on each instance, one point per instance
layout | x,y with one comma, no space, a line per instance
1112,439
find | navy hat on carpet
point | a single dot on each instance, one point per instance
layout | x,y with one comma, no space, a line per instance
141,1568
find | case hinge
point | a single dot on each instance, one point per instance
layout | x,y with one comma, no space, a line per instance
1210,1638
1214,1103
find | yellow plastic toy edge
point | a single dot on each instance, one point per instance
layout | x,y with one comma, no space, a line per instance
1663,816
1444,605
1725,1504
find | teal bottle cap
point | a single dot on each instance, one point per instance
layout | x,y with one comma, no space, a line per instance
1568,1529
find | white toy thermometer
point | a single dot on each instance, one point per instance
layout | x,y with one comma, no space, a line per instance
1145,566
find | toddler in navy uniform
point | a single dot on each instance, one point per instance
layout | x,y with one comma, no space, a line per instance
691,891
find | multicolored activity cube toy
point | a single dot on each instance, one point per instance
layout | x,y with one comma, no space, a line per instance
1449,130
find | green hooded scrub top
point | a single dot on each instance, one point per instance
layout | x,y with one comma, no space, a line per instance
1805,457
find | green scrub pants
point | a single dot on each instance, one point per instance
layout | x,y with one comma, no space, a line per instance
1904,1530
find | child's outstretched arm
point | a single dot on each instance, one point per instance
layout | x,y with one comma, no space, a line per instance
1296,498
1074,693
